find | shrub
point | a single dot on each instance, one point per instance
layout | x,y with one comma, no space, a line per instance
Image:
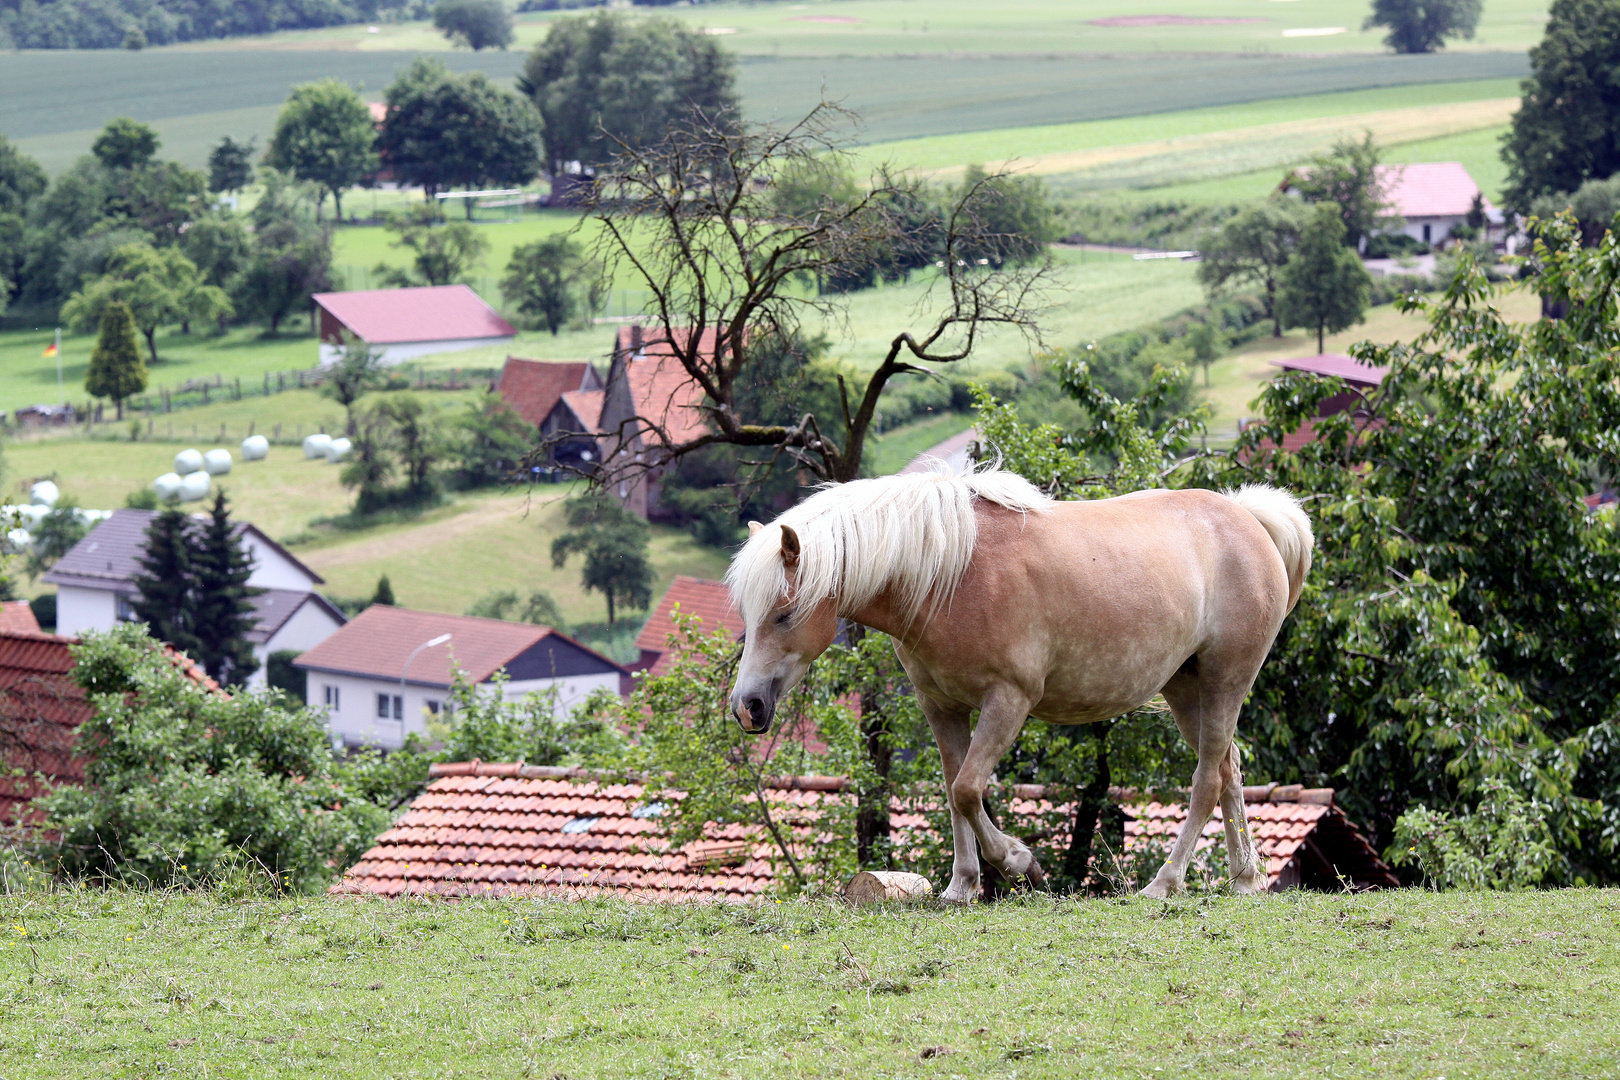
1502,843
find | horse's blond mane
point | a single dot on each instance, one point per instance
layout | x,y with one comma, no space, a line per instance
914,533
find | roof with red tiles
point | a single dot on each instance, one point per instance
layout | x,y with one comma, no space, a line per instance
710,601
512,829
665,394
17,617
425,313
41,708
1348,368
586,405
1428,189
379,641
532,388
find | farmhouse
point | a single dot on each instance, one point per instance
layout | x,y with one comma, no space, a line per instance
709,601
556,398
1433,198
514,829
95,587
406,323
383,675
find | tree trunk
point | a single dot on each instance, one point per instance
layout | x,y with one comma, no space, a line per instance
610,606
337,205
151,343
118,403
1321,334
872,808
1088,810
1271,307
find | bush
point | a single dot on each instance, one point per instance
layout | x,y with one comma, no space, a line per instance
185,782
1393,246
280,674
1502,843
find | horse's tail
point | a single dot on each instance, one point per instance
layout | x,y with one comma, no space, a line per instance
1290,529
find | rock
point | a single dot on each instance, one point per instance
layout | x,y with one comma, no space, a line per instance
885,886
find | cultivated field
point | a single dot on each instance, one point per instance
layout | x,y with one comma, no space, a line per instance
1394,984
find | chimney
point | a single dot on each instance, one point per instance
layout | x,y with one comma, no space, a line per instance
635,338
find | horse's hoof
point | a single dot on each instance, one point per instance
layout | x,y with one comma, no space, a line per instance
960,891
1034,875
1159,889
1254,884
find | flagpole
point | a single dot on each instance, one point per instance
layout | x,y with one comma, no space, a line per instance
61,399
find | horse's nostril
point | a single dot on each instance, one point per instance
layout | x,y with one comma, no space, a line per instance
756,709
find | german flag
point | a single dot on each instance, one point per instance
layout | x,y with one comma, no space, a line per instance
50,350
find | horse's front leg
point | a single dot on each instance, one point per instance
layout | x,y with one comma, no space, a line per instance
1001,718
953,735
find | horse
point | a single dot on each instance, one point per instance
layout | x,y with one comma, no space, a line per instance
1001,599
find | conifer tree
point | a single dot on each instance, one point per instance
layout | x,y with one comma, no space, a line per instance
222,607
116,368
164,598
385,592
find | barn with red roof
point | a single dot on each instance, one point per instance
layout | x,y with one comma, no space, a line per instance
405,323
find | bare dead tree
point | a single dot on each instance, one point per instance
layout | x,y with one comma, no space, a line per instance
693,222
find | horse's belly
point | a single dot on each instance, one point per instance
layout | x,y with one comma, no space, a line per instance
1086,697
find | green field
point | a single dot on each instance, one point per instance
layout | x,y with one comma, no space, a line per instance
1393,984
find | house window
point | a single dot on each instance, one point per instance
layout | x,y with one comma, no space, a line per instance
332,697
432,706
1428,232
390,706
126,608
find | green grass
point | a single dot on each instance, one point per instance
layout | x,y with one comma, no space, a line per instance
896,448
1393,984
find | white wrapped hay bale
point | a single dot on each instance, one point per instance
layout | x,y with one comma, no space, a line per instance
168,487
44,493
217,462
886,886
194,486
338,450
255,448
188,461
315,445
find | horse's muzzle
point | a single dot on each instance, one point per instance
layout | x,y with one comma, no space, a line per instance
755,715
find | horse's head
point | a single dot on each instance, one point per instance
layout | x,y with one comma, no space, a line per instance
784,638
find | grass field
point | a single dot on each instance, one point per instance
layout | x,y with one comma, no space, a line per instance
1394,984
896,448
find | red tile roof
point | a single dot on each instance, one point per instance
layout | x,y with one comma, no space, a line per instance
587,407
1348,368
41,708
1430,189
532,388
429,313
16,617
505,829
665,394
710,601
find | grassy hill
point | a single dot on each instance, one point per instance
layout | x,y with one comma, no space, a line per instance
1399,984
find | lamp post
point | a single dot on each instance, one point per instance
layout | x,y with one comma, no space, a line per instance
428,644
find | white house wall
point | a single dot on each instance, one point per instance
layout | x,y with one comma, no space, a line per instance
402,351
355,720
272,569
310,625
79,609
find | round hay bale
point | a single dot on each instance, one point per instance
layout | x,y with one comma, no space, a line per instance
886,886
338,450
217,462
188,461
194,486
315,445
168,487
255,448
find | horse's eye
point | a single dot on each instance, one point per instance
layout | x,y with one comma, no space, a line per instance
782,619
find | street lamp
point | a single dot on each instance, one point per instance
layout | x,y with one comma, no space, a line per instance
428,644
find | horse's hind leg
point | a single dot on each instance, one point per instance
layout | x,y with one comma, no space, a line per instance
1206,710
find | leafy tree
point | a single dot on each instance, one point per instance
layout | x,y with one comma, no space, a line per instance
604,80
614,543
324,135
444,130
477,24
443,252
22,179
219,245
1421,26
540,609
186,785
1206,341
370,465
1348,177
116,369
1567,128
289,260
1324,286
395,437
125,144
1594,204
493,440
222,613
1252,249
54,536
385,592
158,285
358,370
417,443
230,165
552,282
164,587
1014,215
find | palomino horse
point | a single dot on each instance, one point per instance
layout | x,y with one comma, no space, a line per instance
1002,600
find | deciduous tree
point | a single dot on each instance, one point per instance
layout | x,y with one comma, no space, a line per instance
158,285
614,544
1252,249
477,24
442,252
230,165
1347,176
290,257
443,130
1421,26
1324,286
126,144
324,134
552,282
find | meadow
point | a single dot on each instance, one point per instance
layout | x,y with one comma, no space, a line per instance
1394,984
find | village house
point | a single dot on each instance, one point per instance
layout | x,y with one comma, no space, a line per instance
95,587
1434,197
646,379
557,398
388,671
708,601
402,324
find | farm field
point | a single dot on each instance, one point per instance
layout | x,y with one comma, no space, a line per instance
1393,984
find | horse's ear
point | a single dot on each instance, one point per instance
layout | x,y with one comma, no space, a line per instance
753,529
790,547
